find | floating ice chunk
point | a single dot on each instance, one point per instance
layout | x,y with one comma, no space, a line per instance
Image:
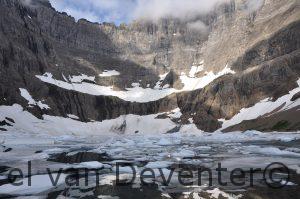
296,150
109,179
167,141
166,195
53,150
269,151
158,164
108,197
203,148
196,196
283,182
125,169
216,193
39,184
89,165
38,156
184,153
123,143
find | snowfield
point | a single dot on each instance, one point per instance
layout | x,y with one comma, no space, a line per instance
136,93
26,122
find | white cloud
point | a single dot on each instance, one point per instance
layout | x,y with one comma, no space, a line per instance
198,26
156,9
78,14
127,10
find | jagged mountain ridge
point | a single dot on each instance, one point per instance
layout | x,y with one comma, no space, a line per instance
37,39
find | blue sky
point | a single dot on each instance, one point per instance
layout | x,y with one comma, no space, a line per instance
116,11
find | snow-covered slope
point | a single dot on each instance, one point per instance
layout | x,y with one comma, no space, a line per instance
127,124
136,93
264,108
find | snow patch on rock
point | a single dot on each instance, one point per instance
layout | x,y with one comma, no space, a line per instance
192,83
80,78
26,95
263,107
109,73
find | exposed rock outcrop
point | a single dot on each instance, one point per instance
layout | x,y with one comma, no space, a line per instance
262,47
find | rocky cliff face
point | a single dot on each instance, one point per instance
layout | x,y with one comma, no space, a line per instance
261,46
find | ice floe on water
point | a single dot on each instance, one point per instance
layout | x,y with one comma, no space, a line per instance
216,193
158,164
108,197
183,153
143,142
89,165
269,151
37,184
161,152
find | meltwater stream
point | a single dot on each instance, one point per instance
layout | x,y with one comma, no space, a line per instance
157,166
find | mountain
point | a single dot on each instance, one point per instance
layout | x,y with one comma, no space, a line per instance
230,69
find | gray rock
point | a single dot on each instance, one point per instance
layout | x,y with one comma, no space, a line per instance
263,49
